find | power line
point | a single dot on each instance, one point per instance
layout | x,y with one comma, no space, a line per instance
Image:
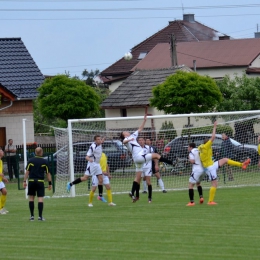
129,9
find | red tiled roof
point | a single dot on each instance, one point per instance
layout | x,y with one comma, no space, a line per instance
184,31
207,54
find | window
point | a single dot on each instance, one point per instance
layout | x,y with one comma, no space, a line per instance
141,55
123,112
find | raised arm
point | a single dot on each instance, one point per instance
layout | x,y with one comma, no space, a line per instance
214,132
142,125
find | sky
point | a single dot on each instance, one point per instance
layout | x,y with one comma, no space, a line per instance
73,35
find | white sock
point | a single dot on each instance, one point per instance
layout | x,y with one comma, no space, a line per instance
144,186
161,184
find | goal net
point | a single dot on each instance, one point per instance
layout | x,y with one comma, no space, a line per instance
170,134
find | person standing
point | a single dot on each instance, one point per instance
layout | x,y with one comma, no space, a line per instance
211,167
36,169
10,151
106,183
93,167
226,151
155,170
196,174
2,186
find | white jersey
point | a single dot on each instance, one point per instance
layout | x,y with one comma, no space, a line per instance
146,150
95,152
133,146
194,155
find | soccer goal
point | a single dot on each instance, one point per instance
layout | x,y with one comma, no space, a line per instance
170,134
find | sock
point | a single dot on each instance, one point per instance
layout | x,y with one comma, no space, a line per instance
199,188
31,207
40,208
162,159
91,195
150,189
212,193
109,196
191,195
160,181
144,186
3,200
134,187
100,190
75,182
137,190
234,163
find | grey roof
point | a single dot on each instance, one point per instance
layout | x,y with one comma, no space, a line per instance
19,73
136,90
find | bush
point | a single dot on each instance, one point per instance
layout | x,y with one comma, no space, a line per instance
167,131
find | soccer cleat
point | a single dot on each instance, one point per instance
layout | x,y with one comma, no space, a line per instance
149,200
201,200
31,218
246,163
90,205
212,203
2,212
41,218
191,204
144,191
111,204
68,187
5,210
132,197
164,191
101,198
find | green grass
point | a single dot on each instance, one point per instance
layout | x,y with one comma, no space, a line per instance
165,229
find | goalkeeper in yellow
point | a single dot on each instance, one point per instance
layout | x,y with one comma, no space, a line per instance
106,176
211,167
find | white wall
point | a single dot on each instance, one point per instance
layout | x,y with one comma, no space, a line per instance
221,72
14,127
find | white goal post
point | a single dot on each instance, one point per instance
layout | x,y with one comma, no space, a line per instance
170,134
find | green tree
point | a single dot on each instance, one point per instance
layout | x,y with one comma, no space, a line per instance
186,92
89,77
67,98
239,94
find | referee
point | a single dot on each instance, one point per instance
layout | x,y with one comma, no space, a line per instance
36,168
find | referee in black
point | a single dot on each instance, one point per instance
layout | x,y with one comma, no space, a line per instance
35,169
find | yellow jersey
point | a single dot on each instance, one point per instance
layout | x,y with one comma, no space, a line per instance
206,154
258,148
103,162
1,169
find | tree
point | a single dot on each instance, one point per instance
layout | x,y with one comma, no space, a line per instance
186,92
90,77
239,94
67,98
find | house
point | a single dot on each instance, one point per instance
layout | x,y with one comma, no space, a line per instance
213,58
186,30
19,79
132,96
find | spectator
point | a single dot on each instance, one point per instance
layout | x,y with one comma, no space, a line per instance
10,151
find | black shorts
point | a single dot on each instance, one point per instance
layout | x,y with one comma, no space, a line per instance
36,186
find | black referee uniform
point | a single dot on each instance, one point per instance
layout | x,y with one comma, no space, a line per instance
37,167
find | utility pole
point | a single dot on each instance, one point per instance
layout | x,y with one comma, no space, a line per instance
173,51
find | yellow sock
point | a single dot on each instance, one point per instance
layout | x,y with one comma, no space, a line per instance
212,193
91,196
234,163
109,196
3,200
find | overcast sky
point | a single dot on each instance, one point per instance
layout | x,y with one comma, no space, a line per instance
75,35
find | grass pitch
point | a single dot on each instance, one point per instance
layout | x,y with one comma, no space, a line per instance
164,229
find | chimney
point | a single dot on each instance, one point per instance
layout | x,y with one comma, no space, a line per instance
189,18
225,37
257,34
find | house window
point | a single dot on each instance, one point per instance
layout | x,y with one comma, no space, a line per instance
142,55
123,112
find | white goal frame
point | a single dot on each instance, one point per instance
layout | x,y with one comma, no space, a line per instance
71,162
